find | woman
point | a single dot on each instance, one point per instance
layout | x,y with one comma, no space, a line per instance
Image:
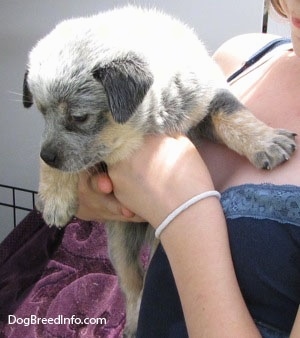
254,289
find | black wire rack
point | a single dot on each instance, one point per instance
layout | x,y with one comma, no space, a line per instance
11,201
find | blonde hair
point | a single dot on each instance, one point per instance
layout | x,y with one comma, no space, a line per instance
278,7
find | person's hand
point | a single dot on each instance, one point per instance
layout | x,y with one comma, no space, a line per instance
161,175
97,201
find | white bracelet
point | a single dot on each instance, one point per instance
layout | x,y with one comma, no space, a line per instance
183,207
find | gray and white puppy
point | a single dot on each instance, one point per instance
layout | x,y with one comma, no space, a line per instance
103,83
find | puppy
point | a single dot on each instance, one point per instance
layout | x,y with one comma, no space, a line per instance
102,83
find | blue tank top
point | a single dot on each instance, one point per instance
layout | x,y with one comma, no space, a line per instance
264,232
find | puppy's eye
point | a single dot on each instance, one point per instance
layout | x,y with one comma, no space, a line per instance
79,118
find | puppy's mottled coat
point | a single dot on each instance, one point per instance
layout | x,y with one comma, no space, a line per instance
104,82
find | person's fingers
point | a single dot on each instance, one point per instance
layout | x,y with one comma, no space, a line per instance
97,201
104,183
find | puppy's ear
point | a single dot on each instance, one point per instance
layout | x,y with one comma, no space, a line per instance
126,82
27,96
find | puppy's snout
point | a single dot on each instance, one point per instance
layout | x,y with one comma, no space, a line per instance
50,156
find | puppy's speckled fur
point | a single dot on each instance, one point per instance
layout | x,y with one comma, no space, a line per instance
103,83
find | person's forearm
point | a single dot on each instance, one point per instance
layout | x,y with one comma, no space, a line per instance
197,246
154,183
296,327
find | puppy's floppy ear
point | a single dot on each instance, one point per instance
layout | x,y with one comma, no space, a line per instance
126,82
27,96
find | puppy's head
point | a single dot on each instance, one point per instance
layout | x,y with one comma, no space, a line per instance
89,98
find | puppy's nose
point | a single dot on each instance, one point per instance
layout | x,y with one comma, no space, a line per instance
50,156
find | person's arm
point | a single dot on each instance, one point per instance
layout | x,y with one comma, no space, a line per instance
296,327
197,247
157,179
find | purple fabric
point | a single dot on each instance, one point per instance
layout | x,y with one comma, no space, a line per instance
57,274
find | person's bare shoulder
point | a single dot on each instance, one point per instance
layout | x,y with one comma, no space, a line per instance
233,53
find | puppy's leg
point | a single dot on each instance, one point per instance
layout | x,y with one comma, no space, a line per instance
125,241
229,122
57,198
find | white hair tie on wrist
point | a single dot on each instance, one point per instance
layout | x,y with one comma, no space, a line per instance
182,207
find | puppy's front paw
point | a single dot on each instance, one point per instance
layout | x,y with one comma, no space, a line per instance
56,212
274,147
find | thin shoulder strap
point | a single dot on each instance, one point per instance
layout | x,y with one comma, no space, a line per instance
258,55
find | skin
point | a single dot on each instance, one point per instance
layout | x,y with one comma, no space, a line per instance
129,191
291,9
98,202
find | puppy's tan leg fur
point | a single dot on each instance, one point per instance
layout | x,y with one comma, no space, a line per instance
265,147
123,237
228,121
57,198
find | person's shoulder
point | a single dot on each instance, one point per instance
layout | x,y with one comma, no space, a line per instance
233,53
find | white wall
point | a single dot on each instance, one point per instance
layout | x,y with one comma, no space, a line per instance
22,23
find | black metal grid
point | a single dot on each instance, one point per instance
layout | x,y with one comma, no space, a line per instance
14,205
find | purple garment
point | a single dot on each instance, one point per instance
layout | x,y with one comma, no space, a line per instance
55,274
